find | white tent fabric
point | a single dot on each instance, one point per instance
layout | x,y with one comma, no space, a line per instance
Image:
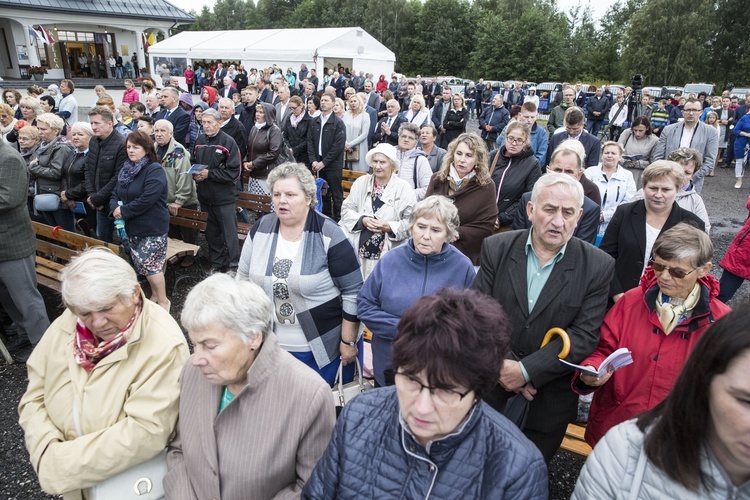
285,47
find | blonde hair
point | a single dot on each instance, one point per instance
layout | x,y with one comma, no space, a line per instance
361,105
477,146
52,121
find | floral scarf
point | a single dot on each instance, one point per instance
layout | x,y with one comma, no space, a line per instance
130,170
294,120
89,350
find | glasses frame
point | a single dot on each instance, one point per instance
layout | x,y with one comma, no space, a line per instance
432,390
675,273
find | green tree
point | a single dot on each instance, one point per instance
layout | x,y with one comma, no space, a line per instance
668,41
730,52
392,23
445,31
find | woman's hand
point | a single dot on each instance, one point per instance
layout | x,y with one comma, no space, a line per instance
117,214
248,165
595,381
348,353
372,224
63,198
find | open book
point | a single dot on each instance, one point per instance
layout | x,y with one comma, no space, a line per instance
621,357
197,167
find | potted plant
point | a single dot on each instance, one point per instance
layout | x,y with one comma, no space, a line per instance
37,72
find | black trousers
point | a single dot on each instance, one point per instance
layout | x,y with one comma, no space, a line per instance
221,236
335,197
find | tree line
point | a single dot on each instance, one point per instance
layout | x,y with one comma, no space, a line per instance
670,42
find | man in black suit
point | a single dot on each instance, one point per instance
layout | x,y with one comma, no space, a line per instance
439,111
173,112
574,122
231,126
265,94
429,91
545,278
326,139
309,92
219,74
387,129
580,98
228,89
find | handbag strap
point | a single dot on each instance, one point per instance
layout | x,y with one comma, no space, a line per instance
339,382
640,470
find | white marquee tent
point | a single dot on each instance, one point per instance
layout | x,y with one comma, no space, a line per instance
319,48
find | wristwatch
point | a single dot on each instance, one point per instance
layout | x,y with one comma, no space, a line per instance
353,343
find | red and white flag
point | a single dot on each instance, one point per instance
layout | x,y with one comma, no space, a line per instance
45,36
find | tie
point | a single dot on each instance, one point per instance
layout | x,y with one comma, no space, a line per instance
166,117
390,121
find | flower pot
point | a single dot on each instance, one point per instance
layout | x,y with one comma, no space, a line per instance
38,77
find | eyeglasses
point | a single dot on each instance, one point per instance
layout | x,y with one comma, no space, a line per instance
441,397
673,272
515,140
284,308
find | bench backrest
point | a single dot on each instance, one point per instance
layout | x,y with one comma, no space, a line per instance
254,202
191,219
347,179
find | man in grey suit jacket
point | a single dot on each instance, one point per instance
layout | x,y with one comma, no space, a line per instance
282,107
545,278
18,292
372,98
690,133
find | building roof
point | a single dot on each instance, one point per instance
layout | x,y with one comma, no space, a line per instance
151,9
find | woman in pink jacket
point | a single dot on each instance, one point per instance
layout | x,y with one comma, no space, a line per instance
131,93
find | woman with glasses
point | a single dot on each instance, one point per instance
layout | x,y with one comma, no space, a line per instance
616,185
294,130
659,322
310,271
515,171
432,435
634,227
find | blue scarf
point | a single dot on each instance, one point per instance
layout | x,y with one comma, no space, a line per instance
130,170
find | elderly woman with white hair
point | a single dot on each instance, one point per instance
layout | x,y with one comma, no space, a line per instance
417,112
305,264
72,187
30,108
253,421
46,167
103,381
423,265
375,215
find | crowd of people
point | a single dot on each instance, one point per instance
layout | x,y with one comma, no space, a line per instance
458,251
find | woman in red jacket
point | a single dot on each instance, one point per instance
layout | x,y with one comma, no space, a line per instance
659,322
382,85
736,262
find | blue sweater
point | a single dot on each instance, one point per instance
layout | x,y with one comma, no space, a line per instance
538,139
400,278
144,202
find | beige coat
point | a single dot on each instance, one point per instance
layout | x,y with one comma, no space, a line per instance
263,445
127,405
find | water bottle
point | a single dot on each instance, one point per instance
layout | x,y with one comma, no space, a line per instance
120,227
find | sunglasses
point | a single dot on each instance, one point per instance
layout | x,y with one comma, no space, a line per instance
675,273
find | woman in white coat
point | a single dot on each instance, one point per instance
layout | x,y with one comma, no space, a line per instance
357,127
375,215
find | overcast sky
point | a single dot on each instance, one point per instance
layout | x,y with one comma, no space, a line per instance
599,6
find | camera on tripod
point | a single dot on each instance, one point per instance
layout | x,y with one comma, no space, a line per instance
637,81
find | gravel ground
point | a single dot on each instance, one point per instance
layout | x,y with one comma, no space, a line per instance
726,207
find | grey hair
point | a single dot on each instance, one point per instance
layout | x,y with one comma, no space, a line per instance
212,113
554,179
51,120
409,127
397,104
175,93
95,278
241,306
226,99
684,241
83,127
571,146
166,123
303,175
440,207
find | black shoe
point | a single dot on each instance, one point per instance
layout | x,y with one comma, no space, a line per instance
23,355
18,343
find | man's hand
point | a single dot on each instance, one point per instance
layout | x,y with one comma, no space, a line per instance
317,166
173,207
511,376
200,176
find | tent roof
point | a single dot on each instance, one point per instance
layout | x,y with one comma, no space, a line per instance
273,44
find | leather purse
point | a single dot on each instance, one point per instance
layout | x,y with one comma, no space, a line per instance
46,202
343,393
144,481
353,155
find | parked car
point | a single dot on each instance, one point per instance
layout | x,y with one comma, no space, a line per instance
697,88
456,84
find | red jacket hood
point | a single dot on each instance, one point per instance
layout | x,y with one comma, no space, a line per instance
648,281
211,94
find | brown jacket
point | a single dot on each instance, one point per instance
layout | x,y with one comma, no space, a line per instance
477,212
264,444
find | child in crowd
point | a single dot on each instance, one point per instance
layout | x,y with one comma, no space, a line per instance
660,117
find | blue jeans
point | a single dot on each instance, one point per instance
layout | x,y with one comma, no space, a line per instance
118,71
593,127
105,226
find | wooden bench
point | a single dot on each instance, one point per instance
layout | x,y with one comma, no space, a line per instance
573,442
178,249
347,179
55,247
255,203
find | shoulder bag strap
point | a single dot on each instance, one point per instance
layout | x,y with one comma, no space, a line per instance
640,470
